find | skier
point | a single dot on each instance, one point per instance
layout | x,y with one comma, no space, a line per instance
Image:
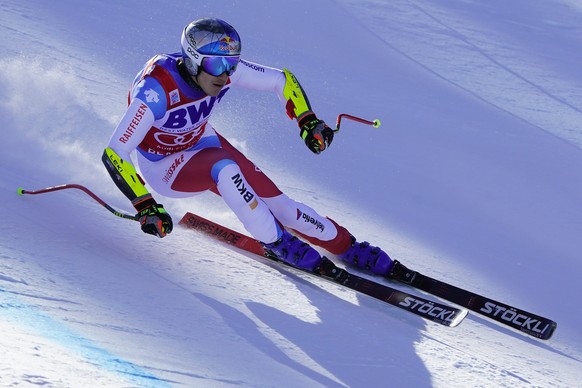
179,152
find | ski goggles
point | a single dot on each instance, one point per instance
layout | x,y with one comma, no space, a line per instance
215,66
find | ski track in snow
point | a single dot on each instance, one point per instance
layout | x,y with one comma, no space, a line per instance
523,86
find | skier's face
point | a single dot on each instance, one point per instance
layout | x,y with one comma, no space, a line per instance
210,84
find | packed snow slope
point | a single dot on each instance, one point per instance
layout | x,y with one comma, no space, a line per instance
474,177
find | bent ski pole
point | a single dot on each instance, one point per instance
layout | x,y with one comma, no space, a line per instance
375,123
22,191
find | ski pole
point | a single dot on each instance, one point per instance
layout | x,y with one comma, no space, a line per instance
375,123
22,191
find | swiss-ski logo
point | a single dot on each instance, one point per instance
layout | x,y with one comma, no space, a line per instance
170,171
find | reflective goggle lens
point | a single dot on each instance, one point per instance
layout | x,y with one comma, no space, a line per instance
217,65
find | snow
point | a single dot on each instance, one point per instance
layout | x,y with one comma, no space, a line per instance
472,178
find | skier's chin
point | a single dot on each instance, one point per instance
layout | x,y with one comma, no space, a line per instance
213,90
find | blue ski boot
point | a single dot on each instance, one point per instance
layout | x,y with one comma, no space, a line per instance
366,256
293,251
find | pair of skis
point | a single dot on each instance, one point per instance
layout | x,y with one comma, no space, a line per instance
441,313
526,322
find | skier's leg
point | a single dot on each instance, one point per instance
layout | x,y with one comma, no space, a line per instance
312,226
309,224
214,168
259,181
328,234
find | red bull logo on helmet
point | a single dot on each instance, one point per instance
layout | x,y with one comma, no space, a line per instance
228,45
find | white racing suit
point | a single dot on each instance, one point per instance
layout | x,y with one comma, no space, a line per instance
180,154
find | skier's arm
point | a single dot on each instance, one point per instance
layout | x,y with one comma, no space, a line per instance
131,130
125,176
316,134
152,216
147,103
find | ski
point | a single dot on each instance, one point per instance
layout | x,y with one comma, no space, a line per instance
437,312
524,321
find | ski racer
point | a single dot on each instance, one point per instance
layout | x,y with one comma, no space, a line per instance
180,153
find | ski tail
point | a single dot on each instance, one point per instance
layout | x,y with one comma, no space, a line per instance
222,233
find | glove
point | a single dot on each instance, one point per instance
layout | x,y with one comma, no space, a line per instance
316,133
152,216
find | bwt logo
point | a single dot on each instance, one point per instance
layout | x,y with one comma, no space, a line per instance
191,115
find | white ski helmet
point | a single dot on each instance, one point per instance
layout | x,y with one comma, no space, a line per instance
212,44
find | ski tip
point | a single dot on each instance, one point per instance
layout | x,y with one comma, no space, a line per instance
548,330
20,191
553,327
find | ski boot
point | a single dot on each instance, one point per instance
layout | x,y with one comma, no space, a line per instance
293,251
366,256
